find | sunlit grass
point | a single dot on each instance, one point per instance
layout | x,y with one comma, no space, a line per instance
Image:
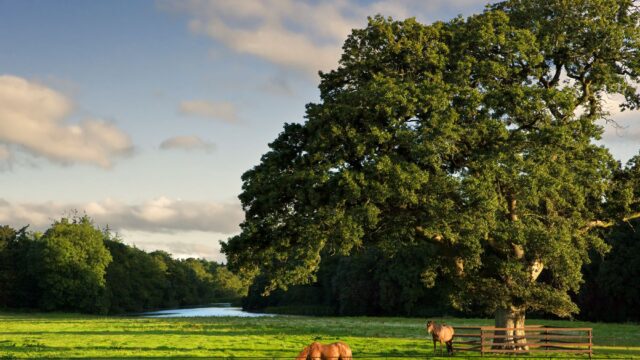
68,336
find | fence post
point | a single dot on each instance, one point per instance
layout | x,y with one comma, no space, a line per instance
590,343
546,338
481,342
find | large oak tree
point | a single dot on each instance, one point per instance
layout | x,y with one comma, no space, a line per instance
471,140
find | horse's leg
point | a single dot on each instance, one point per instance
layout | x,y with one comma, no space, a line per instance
434,346
450,347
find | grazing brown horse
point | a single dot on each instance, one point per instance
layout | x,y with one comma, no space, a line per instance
317,351
442,333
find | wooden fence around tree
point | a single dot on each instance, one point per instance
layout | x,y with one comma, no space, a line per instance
536,338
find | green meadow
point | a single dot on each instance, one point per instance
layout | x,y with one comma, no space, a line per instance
81,336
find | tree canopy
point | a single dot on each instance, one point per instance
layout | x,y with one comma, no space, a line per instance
471,141
72,264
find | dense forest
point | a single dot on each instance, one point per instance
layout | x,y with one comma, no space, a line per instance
369,283
74,266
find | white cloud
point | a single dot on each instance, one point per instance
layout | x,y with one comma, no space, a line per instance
160,215
625,129
196,244
622,138
302,35
625,125
187,143
221,110
32,117
182,228
621,135
6,158
293,34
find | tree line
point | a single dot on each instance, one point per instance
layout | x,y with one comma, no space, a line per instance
370,283
74,266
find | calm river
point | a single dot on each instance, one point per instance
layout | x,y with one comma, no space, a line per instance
216,310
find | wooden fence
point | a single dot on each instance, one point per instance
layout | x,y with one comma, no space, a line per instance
536,338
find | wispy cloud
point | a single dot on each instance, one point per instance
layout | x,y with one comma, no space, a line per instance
220,110
6,158
187,143
160,215
624,129
301,35
4,153
289,33
34,118
624,125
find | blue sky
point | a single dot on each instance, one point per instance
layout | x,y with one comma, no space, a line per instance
144,114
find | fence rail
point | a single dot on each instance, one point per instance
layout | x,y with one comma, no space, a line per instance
530,339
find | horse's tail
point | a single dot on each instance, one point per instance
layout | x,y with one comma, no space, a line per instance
450,346
449,340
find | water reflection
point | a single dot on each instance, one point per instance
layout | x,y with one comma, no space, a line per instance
220,310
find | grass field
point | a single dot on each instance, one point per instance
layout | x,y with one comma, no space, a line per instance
75,336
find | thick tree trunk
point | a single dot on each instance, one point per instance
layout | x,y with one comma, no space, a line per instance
511,317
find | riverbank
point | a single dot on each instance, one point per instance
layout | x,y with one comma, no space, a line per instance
69,335
217,310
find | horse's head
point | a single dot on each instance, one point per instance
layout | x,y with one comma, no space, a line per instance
430,326
304,354
311,352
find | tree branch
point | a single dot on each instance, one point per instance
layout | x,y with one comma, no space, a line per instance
535,269
556,77
606,224
437,238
